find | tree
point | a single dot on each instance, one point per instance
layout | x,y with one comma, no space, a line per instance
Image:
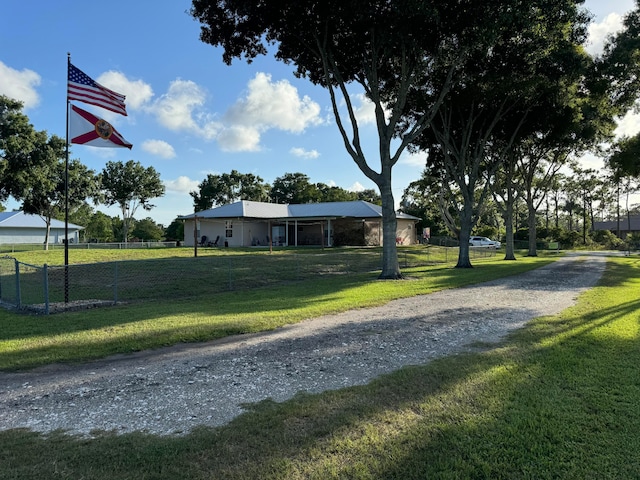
45,192
625,156
625,164
528,57
175,231
147,229
17,139
420,200
617,70
369,195
99,228
130,186
294,188
333,193
81,215
37,179
228,188
388,50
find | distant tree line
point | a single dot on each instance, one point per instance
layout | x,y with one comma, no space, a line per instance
291,188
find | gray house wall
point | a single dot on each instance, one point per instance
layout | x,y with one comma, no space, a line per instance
18,235
301,232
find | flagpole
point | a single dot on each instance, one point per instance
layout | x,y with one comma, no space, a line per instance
66,198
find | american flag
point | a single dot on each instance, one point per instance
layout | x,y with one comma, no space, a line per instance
83,88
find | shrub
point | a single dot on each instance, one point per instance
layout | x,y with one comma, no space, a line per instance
607,239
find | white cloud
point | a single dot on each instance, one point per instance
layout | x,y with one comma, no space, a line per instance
239,138
181,184
356,187
267,105
20,85
180,110
274,105
138,92
414,159
364,109
598,32
302,153
159,148
629,125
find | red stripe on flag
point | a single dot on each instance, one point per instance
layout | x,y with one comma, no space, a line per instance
85,137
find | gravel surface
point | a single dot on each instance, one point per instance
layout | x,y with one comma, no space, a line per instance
170,391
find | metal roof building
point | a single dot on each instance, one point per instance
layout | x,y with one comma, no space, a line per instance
20,228
248,223
623,227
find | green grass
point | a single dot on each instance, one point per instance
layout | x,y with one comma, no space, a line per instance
27,341
151,274
557,399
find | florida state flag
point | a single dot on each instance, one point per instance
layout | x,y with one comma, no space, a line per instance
87,129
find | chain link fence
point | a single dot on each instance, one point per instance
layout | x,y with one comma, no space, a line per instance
50,289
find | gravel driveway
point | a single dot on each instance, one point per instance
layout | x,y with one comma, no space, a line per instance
169,391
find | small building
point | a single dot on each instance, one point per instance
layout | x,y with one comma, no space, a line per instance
247,223
20,228
626,225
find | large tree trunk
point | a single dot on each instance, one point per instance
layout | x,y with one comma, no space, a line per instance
508,223
466,224
390,265
533,251
507,210
125,224
47,233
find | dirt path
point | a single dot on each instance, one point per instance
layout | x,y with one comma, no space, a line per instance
170,391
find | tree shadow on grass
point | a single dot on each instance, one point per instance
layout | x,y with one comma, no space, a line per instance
558,400
211,317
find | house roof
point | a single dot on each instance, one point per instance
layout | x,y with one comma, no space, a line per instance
276,211
612,225
19,219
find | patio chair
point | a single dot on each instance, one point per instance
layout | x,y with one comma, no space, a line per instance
215,243
203,241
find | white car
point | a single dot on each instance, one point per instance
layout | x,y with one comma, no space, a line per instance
484,242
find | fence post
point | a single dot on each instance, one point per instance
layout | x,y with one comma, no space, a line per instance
18,305
45,271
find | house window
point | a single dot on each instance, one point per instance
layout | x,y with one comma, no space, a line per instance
228,227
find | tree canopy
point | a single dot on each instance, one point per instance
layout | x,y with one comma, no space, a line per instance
388,49
625,157
228,188
130,185
523,82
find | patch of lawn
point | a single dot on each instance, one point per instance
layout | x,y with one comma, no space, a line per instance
29,341
557,399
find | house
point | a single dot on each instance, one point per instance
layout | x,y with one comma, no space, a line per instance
626,225
19,227
246,223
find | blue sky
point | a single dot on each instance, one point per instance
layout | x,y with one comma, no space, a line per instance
189,113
